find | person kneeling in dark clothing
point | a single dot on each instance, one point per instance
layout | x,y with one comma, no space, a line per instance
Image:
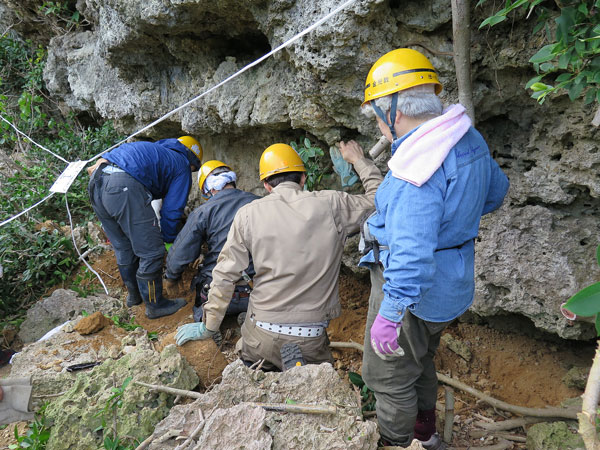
209,224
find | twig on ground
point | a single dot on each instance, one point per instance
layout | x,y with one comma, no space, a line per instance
510,424
145,443
170,390
449,414
168,435
521,410
310,409
482,417
499,434
90,250
256,363
306,409
354,345
194,434
106,273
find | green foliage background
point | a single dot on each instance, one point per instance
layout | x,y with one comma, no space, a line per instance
570,60
34,259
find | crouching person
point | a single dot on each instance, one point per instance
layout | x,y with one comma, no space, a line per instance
122,186
209,224
296,239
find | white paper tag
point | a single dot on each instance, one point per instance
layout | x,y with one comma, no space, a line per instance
64,181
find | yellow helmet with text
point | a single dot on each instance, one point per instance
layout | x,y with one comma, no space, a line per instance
397,70
279,158
207,168
193,145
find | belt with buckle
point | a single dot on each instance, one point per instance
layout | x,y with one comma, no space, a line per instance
291,330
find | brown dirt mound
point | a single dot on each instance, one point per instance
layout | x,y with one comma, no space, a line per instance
204,356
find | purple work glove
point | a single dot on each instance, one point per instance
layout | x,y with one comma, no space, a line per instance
384,338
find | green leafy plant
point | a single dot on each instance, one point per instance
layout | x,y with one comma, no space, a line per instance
36,436
366,395
129,326
33,259
587,301
61,14
83,284
111,439
570,62
310,157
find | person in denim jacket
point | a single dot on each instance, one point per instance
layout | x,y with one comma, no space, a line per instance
442,179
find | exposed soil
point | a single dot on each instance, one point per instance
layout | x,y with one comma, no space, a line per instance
515,368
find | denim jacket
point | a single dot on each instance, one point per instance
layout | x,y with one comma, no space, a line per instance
429,232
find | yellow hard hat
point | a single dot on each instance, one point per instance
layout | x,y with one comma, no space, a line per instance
207,169
279,158
397,70
193,145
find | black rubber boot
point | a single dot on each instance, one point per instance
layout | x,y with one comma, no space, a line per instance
127,272
291,356
150,287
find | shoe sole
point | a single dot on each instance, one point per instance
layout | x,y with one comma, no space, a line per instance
291,356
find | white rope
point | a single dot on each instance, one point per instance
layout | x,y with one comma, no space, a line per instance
32,141
28,209
77,249
235,75
179,108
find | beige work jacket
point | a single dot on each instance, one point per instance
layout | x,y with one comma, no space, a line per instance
296,239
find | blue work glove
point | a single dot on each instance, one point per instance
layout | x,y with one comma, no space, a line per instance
342,168
193,332
384,338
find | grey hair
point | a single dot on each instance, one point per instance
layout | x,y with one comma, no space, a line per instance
417,102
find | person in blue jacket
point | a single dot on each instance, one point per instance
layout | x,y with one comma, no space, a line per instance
209,225
122,186
419,243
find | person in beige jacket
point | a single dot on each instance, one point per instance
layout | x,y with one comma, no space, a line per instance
296,239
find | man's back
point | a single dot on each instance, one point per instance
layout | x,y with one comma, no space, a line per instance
296,239
296,242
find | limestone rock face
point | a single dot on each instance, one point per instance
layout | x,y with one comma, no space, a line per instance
137,60
310,384
78,412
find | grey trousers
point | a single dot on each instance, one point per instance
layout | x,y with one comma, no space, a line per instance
258,344
407,384
123,205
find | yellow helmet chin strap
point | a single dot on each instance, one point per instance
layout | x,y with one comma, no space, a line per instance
383,117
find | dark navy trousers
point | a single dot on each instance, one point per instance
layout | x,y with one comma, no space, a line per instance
123,206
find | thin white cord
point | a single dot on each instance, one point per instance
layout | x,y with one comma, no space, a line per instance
39,145
28,209
239,72
77,249
179,108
